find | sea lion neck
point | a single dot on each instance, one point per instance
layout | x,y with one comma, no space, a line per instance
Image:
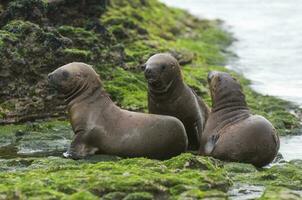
228,97
176,86
91,89
97,97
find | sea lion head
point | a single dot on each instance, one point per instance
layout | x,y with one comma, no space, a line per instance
74,77
161,71
225,90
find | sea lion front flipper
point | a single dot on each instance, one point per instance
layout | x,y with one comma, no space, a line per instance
211,143
79,148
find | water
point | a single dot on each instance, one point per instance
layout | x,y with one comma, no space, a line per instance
269,40
245,192
269,47
291,147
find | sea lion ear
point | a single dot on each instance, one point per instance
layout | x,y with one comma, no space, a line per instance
143,66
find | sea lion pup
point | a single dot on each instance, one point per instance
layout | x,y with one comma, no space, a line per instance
232,133
102,127
169,95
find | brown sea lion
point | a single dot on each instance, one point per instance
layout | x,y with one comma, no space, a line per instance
102,127
232,133
169,95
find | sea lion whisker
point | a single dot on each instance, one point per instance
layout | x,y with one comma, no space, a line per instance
165,89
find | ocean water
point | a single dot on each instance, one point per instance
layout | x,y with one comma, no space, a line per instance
269,47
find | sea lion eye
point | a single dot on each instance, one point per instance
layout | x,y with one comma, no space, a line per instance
65,74
163,67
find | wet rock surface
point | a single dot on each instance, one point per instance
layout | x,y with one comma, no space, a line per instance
110,177
32,154
245,192
35,139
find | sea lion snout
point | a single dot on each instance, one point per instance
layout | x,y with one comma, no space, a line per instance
148,73
57,77
51,79
211,75
50,76
152,76
161,71
71,76
158,64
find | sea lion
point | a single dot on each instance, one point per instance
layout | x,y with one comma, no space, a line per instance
232,133
169,95
102,127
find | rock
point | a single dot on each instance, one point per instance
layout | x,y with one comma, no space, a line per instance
281,193
56,177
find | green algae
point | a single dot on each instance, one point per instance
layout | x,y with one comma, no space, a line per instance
109,177
137,178
281,193
128,89
116,41
278,180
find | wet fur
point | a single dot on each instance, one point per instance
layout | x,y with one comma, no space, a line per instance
176,99
232,133
102,127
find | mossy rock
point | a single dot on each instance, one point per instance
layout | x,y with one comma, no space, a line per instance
286,175
280,193
137,178
116,38
139,196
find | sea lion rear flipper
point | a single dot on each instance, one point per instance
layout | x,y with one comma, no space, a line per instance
211,143
276,140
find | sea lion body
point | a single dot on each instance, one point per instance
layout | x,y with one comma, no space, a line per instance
102,127
232,133
169,95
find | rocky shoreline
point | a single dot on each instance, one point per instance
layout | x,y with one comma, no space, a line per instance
116,37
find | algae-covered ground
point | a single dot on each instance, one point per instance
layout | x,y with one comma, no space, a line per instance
117,37
183,177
